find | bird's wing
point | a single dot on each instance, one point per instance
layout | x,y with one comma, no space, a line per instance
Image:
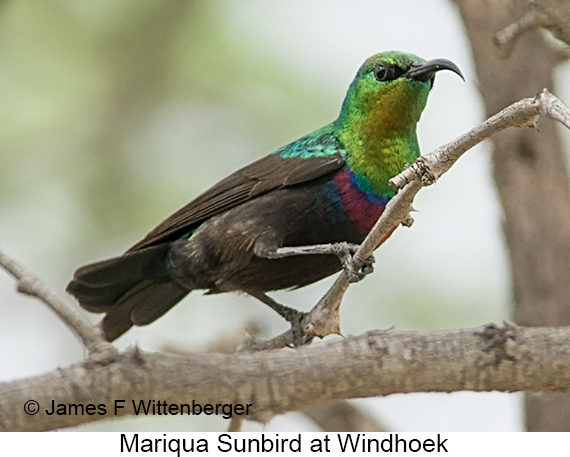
286,167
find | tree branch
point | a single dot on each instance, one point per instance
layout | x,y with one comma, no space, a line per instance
506,38
323,319
553,15
507,359
89,335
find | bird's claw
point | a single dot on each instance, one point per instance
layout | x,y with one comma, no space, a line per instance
298,336
367,264
345,252
295,318
354,275
291,315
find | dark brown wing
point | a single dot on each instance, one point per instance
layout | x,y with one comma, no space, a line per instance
269,173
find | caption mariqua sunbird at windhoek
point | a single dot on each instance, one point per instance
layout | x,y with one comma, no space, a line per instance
285,221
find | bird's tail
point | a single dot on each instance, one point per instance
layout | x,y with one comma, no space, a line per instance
134,289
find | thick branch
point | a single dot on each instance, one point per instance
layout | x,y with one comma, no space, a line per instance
379,363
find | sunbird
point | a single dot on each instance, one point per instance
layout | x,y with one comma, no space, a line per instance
285,221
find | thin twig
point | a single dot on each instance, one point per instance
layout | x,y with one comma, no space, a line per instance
89,335
323,319
523,113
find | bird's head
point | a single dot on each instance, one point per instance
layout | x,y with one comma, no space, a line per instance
390,91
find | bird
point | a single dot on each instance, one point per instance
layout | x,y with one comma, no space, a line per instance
285,221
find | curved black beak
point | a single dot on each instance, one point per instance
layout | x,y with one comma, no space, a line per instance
425,71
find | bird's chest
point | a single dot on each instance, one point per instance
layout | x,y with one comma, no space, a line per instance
360,208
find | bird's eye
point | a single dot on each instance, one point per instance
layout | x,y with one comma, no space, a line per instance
387,73
380,72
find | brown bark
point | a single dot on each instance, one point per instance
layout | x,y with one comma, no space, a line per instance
379,363
531,176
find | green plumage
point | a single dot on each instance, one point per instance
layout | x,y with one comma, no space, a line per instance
377,122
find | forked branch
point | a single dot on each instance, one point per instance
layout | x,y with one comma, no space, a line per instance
323,319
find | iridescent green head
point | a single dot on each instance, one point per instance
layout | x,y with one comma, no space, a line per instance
377,122
390,90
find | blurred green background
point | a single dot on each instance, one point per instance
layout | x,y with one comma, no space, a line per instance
115,114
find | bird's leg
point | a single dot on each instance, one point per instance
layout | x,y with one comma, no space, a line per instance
291,315
288,313
344,251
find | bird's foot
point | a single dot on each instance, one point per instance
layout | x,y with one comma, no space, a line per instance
291,315
298,336
345,252
295,318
